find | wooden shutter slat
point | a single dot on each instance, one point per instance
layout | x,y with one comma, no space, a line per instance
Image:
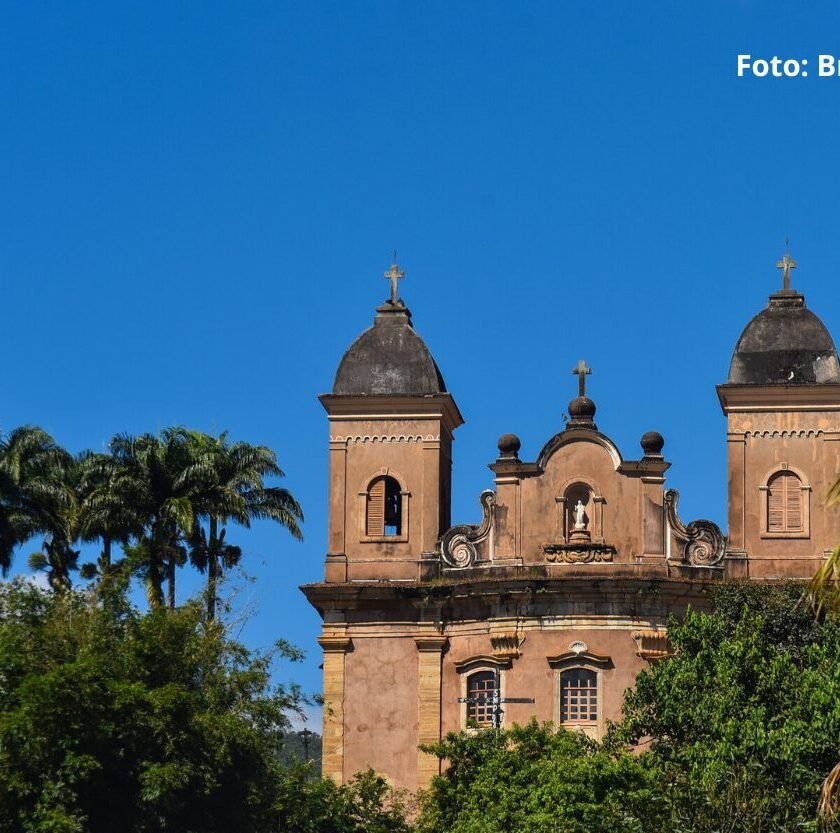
375,522
793,499
775,507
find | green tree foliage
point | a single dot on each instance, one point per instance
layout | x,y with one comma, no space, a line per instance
229,486
744,719
153,478
33,489
113,720
533,779
824,589
151,494
366,805
116,720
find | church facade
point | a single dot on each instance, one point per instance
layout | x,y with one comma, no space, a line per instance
563,589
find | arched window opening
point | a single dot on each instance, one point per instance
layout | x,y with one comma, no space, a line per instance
384,508
785,503
482,686
578,696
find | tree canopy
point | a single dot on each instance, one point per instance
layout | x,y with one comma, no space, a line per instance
738,729
164,498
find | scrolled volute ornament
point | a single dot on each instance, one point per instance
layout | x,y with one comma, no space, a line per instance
703,544
459,544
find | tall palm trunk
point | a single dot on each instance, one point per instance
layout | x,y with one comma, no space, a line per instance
212,569
106,553
170,569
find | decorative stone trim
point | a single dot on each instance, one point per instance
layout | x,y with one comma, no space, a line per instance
652,645
431,643
458,543
506,644
335,644
384,438
482,661
704,545
583,659
579,552
802,432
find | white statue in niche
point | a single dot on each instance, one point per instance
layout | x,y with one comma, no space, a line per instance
580,515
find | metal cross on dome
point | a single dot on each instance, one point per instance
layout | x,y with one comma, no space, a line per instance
786,264
394,274
582,371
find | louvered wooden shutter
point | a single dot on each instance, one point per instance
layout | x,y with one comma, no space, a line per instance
375,523
793,503
776,505
784,503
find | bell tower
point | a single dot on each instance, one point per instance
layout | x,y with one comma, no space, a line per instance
391,424
782,404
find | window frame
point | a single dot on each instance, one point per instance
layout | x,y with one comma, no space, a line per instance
405,496
764,492
474,665
584,661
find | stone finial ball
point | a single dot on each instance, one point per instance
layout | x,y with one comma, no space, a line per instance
581,407
652,443
509,445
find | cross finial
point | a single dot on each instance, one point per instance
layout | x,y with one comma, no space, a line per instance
394,274
582,371
786,264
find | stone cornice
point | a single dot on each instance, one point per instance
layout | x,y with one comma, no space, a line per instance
335,644
637,581
810,397
427,642
378,406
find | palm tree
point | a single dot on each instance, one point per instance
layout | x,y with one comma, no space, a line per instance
150,478
824,589
32,487
230,483
58,557
103,516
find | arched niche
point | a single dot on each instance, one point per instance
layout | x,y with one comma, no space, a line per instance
585,490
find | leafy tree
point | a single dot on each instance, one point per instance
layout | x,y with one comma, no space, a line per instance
115,720
317,805
32,488
744,719
230,487
535,779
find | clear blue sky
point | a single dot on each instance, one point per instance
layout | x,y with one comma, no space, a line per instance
199,201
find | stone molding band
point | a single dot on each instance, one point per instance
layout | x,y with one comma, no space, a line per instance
384,438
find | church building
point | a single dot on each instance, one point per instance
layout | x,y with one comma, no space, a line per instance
563,590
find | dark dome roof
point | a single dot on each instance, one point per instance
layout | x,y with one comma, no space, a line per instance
784,344
389,358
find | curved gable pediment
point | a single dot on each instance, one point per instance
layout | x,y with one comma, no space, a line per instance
568,437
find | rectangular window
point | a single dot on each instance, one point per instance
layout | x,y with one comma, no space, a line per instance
579,696
481,688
